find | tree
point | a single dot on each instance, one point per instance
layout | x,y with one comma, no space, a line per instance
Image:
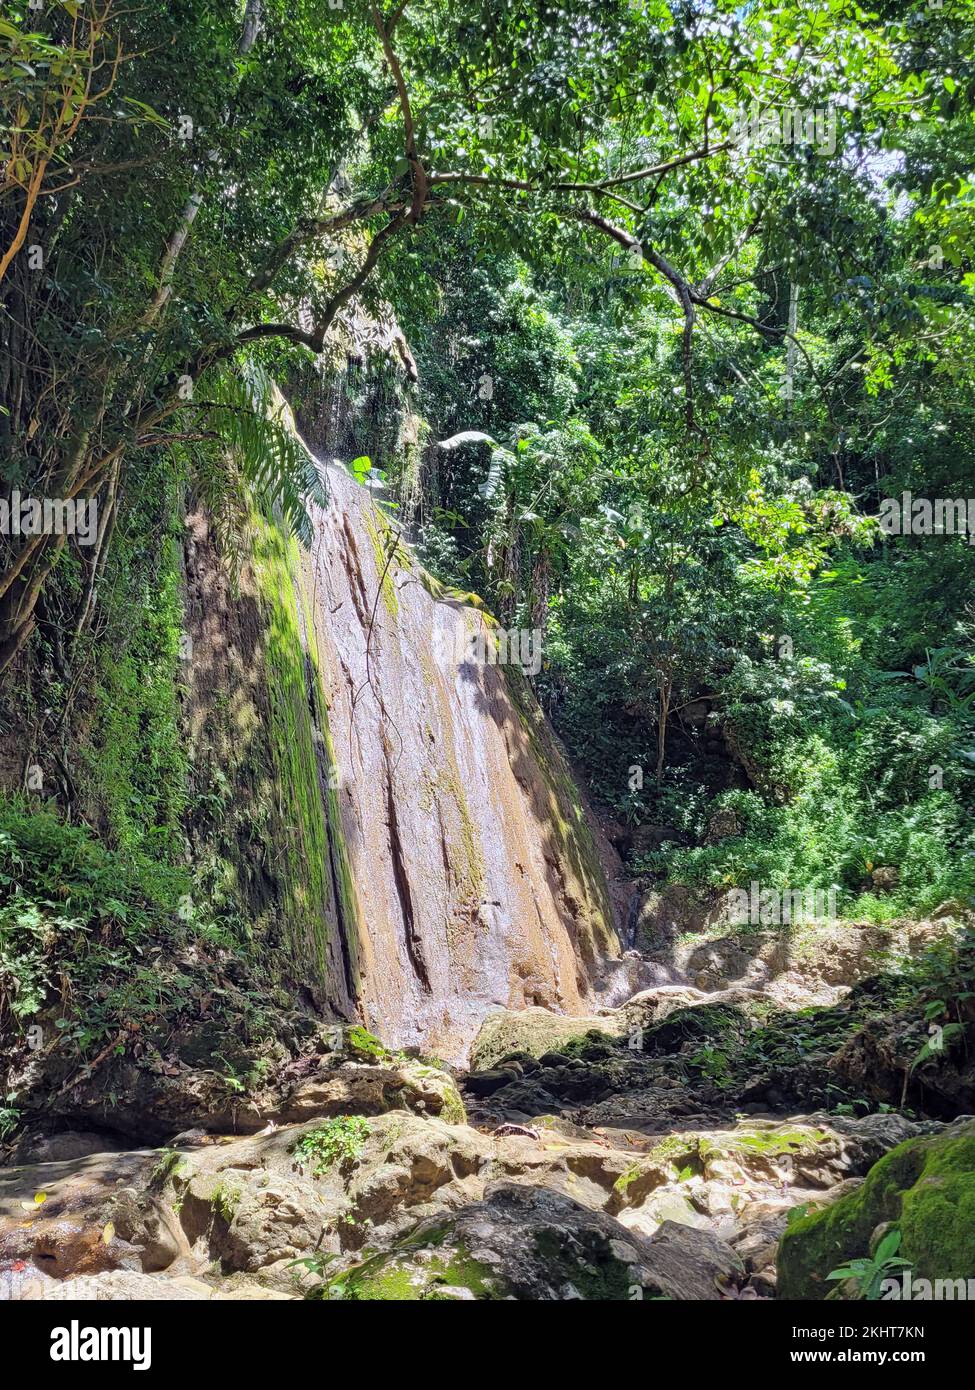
593,121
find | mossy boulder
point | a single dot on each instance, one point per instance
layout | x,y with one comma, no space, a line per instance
925,1187
707,1025
533,1032
528,1243
389,1082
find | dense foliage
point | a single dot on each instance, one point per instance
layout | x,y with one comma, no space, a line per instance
693,353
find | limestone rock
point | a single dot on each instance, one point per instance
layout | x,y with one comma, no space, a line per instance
259,1201
54,1215
531,1031
661,1206
818,969
450,846
354,1088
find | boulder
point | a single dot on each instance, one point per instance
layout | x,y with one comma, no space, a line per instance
516,1036
262,1201
924,1187
153,1101
532,1031
255,1204
873,1061
663,1205
534,1244
38,1147
357,1088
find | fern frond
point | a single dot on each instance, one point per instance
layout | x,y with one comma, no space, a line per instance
221,490
252,420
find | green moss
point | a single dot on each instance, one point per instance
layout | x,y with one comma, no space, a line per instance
452,1112
694,1152
593,1045
360,1040
389,555
773,1142
134,764
320,908
673,1147
714,1024
926,1187
399,1277
625,1179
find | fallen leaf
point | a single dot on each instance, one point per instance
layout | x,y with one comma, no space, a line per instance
108,1234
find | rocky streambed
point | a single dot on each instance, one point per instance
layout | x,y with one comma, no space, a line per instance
689,1144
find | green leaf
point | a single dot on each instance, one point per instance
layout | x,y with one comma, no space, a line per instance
888,1246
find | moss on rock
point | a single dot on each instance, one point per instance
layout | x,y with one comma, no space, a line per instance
708,1024
446,1271
925,1187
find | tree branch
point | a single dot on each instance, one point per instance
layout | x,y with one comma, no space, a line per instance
421,184
316,338
390,200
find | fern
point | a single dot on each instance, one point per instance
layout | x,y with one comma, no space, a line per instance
257,452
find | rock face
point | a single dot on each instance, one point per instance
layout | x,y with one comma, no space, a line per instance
476,875
924,1187
348,1072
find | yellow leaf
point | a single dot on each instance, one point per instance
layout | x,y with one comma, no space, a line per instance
40,1197
108,1235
